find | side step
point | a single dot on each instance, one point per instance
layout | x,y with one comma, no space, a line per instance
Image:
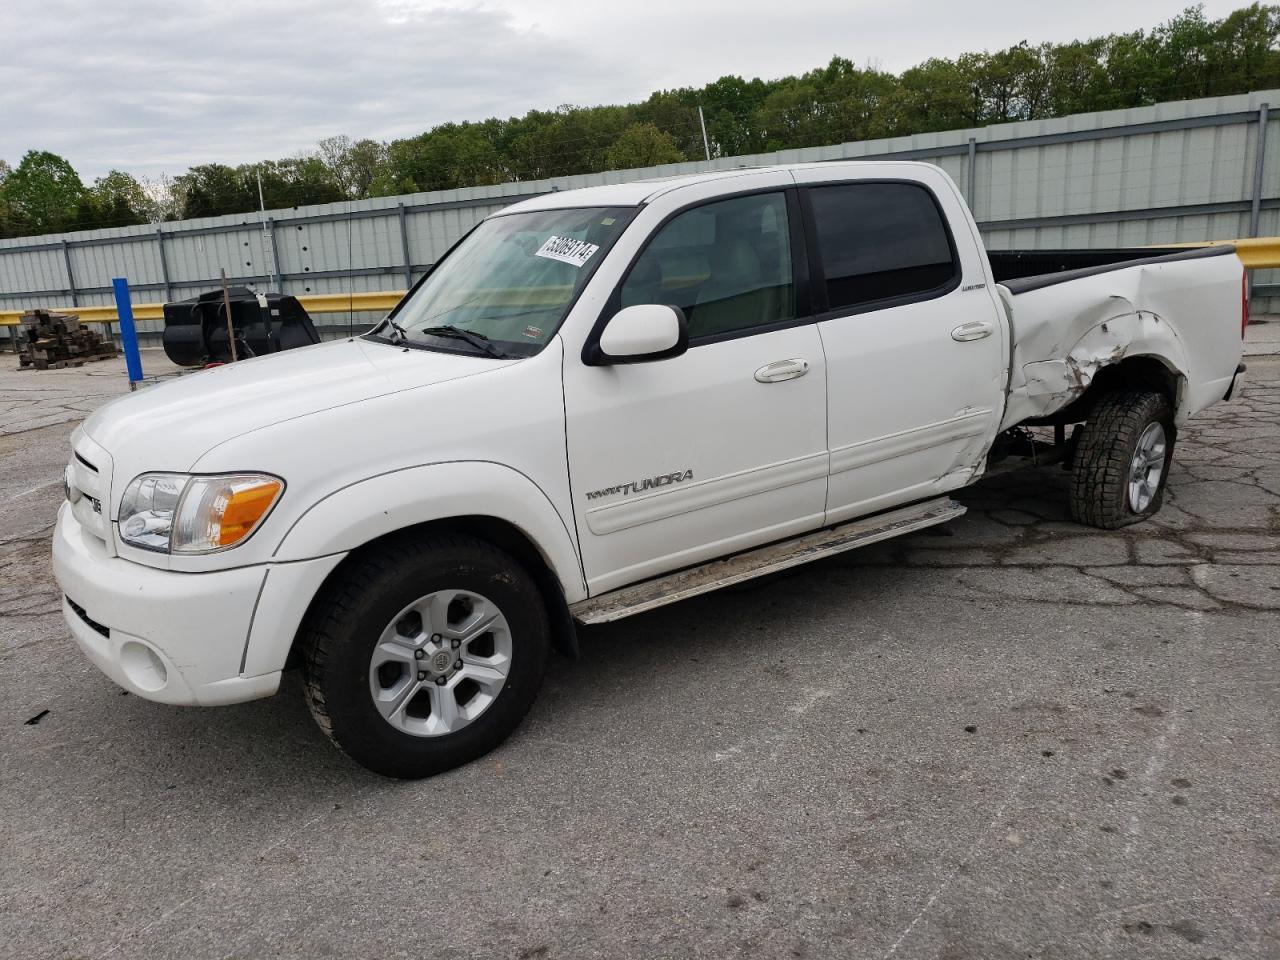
761,561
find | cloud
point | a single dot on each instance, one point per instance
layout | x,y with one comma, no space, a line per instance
151,86
158,89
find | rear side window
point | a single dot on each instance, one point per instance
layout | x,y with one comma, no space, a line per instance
880,240
726,264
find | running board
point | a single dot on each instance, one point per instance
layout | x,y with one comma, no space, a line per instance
761,561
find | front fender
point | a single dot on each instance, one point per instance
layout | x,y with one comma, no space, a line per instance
354,515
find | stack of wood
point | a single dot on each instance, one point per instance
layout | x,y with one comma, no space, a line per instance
57,340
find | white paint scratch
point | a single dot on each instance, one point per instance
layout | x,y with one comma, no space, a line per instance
1160,749
812,696
1154,765
951,875
38,486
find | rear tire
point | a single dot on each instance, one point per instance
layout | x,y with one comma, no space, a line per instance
408,718
1122,458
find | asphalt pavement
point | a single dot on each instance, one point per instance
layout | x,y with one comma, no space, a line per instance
1008,737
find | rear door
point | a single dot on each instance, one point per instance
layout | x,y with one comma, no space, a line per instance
916,350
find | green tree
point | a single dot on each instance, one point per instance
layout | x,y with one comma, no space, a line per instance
7,226
353,164
43,193
1077,77
292,182
165,198
729,105
449,156
1188,55
116,200
1246,40
214,189
643,145
938,94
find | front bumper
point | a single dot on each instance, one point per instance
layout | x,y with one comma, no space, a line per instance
171,637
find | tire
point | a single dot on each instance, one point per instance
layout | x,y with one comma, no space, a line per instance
1104,462
346,633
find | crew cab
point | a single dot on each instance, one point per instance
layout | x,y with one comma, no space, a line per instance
600,401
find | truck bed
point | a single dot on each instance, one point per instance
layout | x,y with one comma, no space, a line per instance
1022,270
1085,310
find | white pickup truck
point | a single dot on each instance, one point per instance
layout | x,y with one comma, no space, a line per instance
604,400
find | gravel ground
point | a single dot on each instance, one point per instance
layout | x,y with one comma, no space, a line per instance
1009,737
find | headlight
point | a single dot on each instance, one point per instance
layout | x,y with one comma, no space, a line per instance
176,513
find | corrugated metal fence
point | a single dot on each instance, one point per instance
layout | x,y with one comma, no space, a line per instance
1175,172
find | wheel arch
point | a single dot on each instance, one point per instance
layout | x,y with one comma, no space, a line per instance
1148,371
502,534
1133,348
490,501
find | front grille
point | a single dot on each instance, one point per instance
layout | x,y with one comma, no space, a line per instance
85,462
99,628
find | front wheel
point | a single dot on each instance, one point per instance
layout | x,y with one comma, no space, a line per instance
1122,458
427,656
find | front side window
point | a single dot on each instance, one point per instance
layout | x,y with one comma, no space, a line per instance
726,264
507,286
880,240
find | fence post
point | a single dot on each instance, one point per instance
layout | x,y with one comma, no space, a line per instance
128,334
404,247
71,277
164,263
276,275
1259,159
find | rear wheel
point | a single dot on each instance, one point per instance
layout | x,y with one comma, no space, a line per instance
1122,458
427,656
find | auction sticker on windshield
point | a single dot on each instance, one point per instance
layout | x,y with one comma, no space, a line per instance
567,250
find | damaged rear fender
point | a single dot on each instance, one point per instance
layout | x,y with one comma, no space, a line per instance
1050,385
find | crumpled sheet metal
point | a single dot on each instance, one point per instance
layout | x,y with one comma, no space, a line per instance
1064,338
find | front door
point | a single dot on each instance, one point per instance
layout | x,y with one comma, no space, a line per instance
679,460
916,349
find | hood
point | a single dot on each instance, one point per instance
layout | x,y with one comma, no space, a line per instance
173,424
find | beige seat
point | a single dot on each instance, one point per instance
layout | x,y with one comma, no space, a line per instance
736,295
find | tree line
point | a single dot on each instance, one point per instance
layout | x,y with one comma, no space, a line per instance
1186,57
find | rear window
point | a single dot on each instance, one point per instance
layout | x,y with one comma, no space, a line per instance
879,241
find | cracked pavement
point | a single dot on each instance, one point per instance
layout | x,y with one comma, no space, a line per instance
1010,736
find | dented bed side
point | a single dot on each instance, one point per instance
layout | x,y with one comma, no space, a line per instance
1183,311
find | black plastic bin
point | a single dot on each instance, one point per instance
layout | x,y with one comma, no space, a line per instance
195,330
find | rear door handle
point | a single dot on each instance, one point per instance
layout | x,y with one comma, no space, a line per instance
781,370
973,331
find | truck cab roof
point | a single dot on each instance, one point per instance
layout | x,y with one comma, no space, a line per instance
637,192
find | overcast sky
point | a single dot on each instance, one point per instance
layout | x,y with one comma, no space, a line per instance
154,86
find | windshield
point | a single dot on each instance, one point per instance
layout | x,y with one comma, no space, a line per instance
506,287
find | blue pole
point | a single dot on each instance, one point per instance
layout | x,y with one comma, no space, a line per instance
128,334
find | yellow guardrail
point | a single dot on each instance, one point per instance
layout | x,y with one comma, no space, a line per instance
1255,253
379,302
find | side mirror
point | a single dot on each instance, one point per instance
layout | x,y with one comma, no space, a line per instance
645,331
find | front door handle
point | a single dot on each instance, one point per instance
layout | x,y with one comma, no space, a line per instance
973,331
781,370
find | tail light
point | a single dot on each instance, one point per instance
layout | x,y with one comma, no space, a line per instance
1244,301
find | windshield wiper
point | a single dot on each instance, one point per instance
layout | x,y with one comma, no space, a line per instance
398,334
477,340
